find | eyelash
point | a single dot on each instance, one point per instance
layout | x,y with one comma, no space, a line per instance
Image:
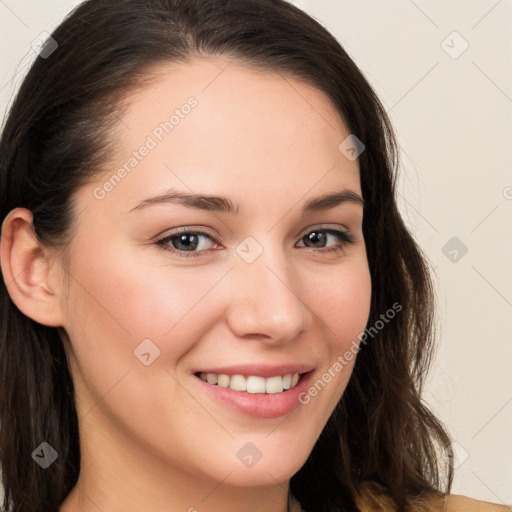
344,236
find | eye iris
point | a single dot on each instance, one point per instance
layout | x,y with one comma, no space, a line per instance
182,239
316,236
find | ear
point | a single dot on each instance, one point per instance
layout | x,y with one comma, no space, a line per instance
26,270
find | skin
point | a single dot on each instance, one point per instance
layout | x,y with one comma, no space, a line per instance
151,439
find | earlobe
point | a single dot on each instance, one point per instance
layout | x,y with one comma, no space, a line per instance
26,270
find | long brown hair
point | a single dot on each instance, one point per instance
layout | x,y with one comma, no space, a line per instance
381,440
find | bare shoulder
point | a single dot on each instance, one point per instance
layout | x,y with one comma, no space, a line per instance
459,503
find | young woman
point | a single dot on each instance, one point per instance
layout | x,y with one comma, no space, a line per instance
210,301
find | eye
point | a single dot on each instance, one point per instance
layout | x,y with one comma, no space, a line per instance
343,237
183,241
195,243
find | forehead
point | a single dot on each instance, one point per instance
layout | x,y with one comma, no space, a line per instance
219,80
217,125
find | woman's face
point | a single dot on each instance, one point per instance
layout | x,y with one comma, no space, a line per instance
161,290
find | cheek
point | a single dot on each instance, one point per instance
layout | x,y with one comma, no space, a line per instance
118,300
342,303
342,300
115,303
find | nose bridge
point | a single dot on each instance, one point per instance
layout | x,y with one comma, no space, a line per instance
267,294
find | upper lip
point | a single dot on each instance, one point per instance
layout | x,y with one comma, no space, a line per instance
261,370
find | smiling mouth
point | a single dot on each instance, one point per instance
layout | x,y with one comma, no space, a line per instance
252,383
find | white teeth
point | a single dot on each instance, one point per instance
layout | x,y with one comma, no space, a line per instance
253,383
238,383
223,380
274,385
211,378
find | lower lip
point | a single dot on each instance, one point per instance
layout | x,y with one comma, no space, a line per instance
259,405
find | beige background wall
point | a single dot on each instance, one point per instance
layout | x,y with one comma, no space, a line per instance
452,108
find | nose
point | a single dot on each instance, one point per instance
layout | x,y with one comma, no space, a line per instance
265,299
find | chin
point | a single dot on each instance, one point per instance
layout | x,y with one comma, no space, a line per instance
253,467
262,474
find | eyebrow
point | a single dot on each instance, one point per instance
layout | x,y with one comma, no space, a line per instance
225,205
